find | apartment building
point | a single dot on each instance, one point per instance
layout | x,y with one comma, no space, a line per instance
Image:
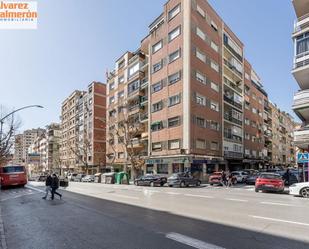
22,143
197,103
283,149
301,71
255,129
83,130
53,133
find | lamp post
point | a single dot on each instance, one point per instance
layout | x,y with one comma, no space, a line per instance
11,113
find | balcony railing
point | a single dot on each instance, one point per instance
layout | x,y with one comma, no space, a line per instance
301,23
233,154
301,64
232,102
230,118
143,117
232,137
301,98
233,68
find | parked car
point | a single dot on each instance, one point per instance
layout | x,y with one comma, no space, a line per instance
269,182
240,175
300,189
252,178
182,180
79,177
41,178
215,178
88,178
71,176
150,180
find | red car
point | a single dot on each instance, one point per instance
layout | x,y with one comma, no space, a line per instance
269,182
215,178
13,175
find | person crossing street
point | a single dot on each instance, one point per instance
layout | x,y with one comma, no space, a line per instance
55,186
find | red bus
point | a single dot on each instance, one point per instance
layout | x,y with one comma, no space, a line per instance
13,175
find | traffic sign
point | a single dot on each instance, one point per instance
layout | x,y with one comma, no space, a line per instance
303,157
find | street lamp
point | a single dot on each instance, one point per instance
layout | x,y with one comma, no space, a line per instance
11,113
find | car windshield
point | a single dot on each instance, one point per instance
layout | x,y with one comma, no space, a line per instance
13,169
270,176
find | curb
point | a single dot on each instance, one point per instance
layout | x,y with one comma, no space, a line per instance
3,244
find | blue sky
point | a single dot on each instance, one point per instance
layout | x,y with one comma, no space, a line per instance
77,41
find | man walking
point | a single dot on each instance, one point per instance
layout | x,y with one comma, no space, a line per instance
55,186
48,186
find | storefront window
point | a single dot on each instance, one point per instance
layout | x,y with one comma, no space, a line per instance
178,167
162,168
149,169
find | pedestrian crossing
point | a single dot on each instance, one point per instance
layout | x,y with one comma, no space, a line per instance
13,193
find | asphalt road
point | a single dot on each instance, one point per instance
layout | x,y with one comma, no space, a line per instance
116,217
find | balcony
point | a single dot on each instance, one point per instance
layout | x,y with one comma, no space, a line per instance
230,118
233,69
301,7
233,155
301,71
143,117
144,83
301,138
232,138
231,101
301,105
143,100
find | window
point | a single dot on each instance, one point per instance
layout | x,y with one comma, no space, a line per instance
200,55
200,11
200,122
112,100
174,144
253,124
214,66
247,152
172,79
121,64
157,126
121,155
247,136
214,125
254,96
200,144
112,86
200,33
174,100
174,12
174,33
253,139
156,146
162,168
133,86
247,105
214,146
199,99
173,122
156,47
157,106
214,86
120,94
214,106
174,56
134,69
247,76
200,77
254,110
157,87
214,46
121,79
156,67
214,25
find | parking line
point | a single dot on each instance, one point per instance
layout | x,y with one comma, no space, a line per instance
277,204
279,220
201,196
195,243
239,200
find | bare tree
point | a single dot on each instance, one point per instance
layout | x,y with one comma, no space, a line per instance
81,151
128,132
8,127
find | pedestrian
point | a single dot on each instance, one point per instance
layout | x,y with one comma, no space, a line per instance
230,181
223,178
286,177
48,182
55,186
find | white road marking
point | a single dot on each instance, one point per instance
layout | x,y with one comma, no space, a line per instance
195,243
36,189
277,203
239,200
125,196
173,193
279,220
201,196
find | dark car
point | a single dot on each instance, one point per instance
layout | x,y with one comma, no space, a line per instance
252,178
150,180
182,180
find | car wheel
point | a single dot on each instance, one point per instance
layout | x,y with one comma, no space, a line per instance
256,190
152,184
182,184
198,183
304,192
211,184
